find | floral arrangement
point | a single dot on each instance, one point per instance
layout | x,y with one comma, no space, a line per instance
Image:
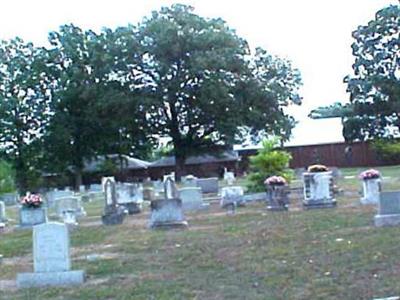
369,174
31,201
317,168
275,180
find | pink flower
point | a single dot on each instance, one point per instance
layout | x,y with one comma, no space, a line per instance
369,174
31,200
275,180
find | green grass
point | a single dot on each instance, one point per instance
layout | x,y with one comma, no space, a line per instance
255,254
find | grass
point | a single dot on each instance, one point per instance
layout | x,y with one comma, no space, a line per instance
255,254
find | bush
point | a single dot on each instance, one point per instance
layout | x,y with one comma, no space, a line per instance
7,178
269,161
387,150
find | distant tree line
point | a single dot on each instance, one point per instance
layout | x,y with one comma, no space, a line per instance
175,75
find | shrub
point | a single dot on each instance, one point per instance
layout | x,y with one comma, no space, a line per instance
7,178
387,150
269,161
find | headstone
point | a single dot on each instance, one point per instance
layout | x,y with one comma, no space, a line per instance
53,196
71,204
148,194
95,188
318,190
254,197
9,198
171,175
167,212
232,196
104,180
371,190
158,187
189,181
192,199
82,188
69,217
131,197
208,185
277,197
51,259
113,213
229,177
29,217
388,209
3,217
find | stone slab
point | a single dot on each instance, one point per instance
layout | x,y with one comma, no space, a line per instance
319,204
29,280
387,220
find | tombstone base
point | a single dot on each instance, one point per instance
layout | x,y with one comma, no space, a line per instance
311,204
169,225
113,218
195,206
29,280
387,220
133,208
278,208
366,201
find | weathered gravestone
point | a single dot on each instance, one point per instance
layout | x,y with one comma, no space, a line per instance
318,190
208,185
388,209
158,187
232,196
167,212
113,213
9,198
53,196
51,259
229,177
104,180
189,181
371,190
71,205
277,197
3,217
29,217
192,199
130,196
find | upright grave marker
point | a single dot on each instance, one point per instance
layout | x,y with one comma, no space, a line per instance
167,212
51,259
113,213
388,209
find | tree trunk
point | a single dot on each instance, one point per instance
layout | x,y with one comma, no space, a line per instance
78,179
179,166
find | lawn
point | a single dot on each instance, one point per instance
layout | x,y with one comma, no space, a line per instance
255,254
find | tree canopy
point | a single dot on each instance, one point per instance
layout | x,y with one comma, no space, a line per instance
375,84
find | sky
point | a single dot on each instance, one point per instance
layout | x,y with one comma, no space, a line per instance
314,34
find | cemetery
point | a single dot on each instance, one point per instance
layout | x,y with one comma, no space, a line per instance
164,159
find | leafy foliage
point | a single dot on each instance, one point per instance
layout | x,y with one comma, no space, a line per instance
375,84
269,161
387,150
201,83
7,177
24,102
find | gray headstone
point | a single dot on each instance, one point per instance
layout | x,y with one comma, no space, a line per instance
192,198
208,185
3,217
71,204
167,213
231,195
29,217
9,198
389,203
51,259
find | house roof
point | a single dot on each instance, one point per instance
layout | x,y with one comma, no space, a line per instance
169,161
129,162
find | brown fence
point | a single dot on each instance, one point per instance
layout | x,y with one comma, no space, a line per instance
358,154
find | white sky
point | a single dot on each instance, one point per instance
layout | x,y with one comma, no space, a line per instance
314,34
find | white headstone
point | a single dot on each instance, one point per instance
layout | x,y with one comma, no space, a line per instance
51,248
371,190
231,195
51,259
3,217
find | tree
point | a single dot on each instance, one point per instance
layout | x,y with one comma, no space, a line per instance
93,113
201,89
24,102
375,85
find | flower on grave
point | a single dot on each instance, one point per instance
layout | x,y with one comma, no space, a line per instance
31,201
275,180
369,174
317,168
